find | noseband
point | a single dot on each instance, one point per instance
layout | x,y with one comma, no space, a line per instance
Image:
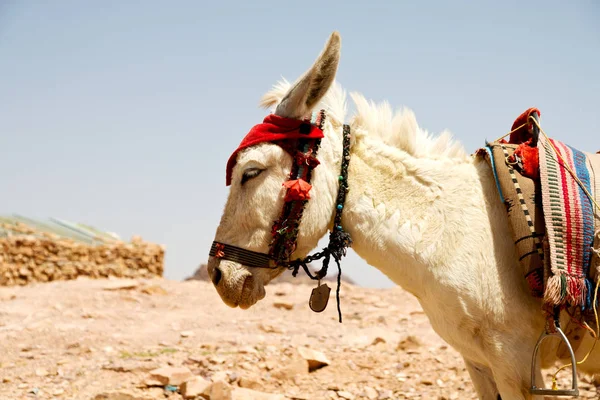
284,231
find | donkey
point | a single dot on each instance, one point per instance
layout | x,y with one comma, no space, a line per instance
419,209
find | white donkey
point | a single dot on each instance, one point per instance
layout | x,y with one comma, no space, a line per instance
419,209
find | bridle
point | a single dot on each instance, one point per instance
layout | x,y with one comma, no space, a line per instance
284,231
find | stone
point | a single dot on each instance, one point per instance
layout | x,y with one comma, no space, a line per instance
247,350
170,375
186,334
221,376
293,368
154,290
194,387
249,394
283,305
315,358
378,340
152,382
346,395
121,284
370,393
217,359
220,390
270,328
250,383
410,342
385,395
119,395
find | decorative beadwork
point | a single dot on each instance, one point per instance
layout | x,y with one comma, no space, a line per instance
339,240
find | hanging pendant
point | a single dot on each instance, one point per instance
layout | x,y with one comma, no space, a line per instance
319,298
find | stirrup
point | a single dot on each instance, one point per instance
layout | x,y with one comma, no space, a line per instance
574,391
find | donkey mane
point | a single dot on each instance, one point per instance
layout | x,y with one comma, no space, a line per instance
396,129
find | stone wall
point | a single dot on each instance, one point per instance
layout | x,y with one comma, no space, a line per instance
27,255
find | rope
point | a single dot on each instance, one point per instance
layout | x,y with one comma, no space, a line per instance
513,131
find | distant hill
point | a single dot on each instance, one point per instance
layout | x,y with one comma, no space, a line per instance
201,274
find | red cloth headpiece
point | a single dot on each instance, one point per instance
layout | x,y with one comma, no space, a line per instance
274,128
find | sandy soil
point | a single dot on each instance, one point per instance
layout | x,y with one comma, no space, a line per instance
98,339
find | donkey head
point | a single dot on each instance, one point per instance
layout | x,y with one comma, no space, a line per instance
256,174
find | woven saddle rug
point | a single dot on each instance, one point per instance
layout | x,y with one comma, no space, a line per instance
571,220
555,225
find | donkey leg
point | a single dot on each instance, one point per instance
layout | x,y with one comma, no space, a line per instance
483,381
514,384
511,388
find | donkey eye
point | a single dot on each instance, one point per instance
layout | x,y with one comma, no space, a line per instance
251,173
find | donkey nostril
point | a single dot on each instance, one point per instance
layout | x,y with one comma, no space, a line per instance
216,276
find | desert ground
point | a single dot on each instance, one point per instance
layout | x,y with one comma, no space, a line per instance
155,339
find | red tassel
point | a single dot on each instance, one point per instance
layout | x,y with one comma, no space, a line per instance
297,190
531,159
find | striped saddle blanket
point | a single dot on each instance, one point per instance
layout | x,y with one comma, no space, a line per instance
555,224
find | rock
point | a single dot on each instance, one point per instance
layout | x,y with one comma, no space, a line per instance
130,366
120,395
370,393
220,390
378,340
270,328
221,376
247,350
250,383
41,372
293,368
217,359
121,284
194,387
283,305
410,342
152,382
315,358
346,395
385,395
248,394
154,289
170,375
185,334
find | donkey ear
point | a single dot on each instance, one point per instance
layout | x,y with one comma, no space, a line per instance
312,86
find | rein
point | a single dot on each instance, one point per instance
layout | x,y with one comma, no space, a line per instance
285,230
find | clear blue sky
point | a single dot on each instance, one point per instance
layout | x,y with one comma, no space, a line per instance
122,114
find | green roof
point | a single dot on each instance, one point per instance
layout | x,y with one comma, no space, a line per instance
62,228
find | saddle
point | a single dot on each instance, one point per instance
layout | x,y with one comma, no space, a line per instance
547,187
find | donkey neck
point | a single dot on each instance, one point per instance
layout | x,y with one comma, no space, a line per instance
406,215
